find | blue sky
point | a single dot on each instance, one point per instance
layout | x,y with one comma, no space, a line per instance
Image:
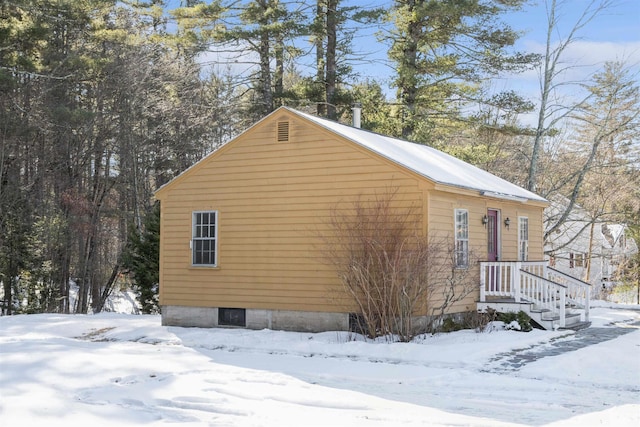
620,23
612,35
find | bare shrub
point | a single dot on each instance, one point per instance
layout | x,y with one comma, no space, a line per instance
478,320
448,284
389,268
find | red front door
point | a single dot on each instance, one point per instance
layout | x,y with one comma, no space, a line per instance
493,249
492,230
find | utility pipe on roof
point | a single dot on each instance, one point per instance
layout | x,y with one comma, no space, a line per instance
357,113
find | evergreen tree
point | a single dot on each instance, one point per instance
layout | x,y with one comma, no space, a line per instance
332,32
142,259
442,50
99,106
258,32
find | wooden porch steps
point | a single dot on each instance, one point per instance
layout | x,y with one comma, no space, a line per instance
550,297
542,317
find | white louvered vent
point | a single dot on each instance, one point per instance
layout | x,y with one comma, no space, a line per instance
283,132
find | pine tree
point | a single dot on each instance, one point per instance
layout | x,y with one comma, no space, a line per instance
442,50
142,259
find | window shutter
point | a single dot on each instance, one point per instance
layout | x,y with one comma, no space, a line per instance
283,132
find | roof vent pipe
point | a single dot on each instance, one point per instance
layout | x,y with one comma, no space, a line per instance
357,113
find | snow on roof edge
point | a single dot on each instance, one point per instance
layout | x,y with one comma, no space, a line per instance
412,156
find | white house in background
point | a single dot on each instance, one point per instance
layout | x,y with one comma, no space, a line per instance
616,249
580,242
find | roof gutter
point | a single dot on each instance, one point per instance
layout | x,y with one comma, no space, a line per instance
503,196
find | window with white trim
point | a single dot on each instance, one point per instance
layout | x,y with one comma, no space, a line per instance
523,238
461,238
571,263
204,238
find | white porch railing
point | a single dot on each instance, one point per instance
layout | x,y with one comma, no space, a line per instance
545,295
578,291
532,281
502,278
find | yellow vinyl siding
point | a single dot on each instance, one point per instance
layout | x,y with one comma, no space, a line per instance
441,218
273,199
512,211
441,222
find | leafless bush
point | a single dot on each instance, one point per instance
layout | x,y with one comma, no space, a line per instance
391,270
448,284
478,320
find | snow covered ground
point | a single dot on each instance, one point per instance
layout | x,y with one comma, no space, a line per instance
117,370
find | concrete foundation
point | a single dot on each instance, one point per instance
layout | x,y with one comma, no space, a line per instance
200,317
280,320
285,320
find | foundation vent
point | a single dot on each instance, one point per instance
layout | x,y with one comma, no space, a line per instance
283,132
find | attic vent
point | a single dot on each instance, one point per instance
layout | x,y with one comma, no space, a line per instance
283,132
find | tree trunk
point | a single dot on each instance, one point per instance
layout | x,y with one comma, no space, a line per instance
549,66
101,299
332,30
408,82
7,300
279,71
589,253
320,55
265,74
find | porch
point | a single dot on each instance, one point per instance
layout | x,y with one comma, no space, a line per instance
550,297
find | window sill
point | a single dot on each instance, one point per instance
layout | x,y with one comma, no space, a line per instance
204,267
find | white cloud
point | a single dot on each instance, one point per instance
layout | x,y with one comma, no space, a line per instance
580,60
231,58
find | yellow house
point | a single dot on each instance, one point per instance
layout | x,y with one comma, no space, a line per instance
237,245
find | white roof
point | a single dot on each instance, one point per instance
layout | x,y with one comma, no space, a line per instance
615,232
428,162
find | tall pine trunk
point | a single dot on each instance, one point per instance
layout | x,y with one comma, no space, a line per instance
331,77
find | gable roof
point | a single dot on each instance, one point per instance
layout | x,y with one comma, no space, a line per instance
433,164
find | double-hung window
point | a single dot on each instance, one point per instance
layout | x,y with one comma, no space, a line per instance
461,238
204,238
523,238
571,260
